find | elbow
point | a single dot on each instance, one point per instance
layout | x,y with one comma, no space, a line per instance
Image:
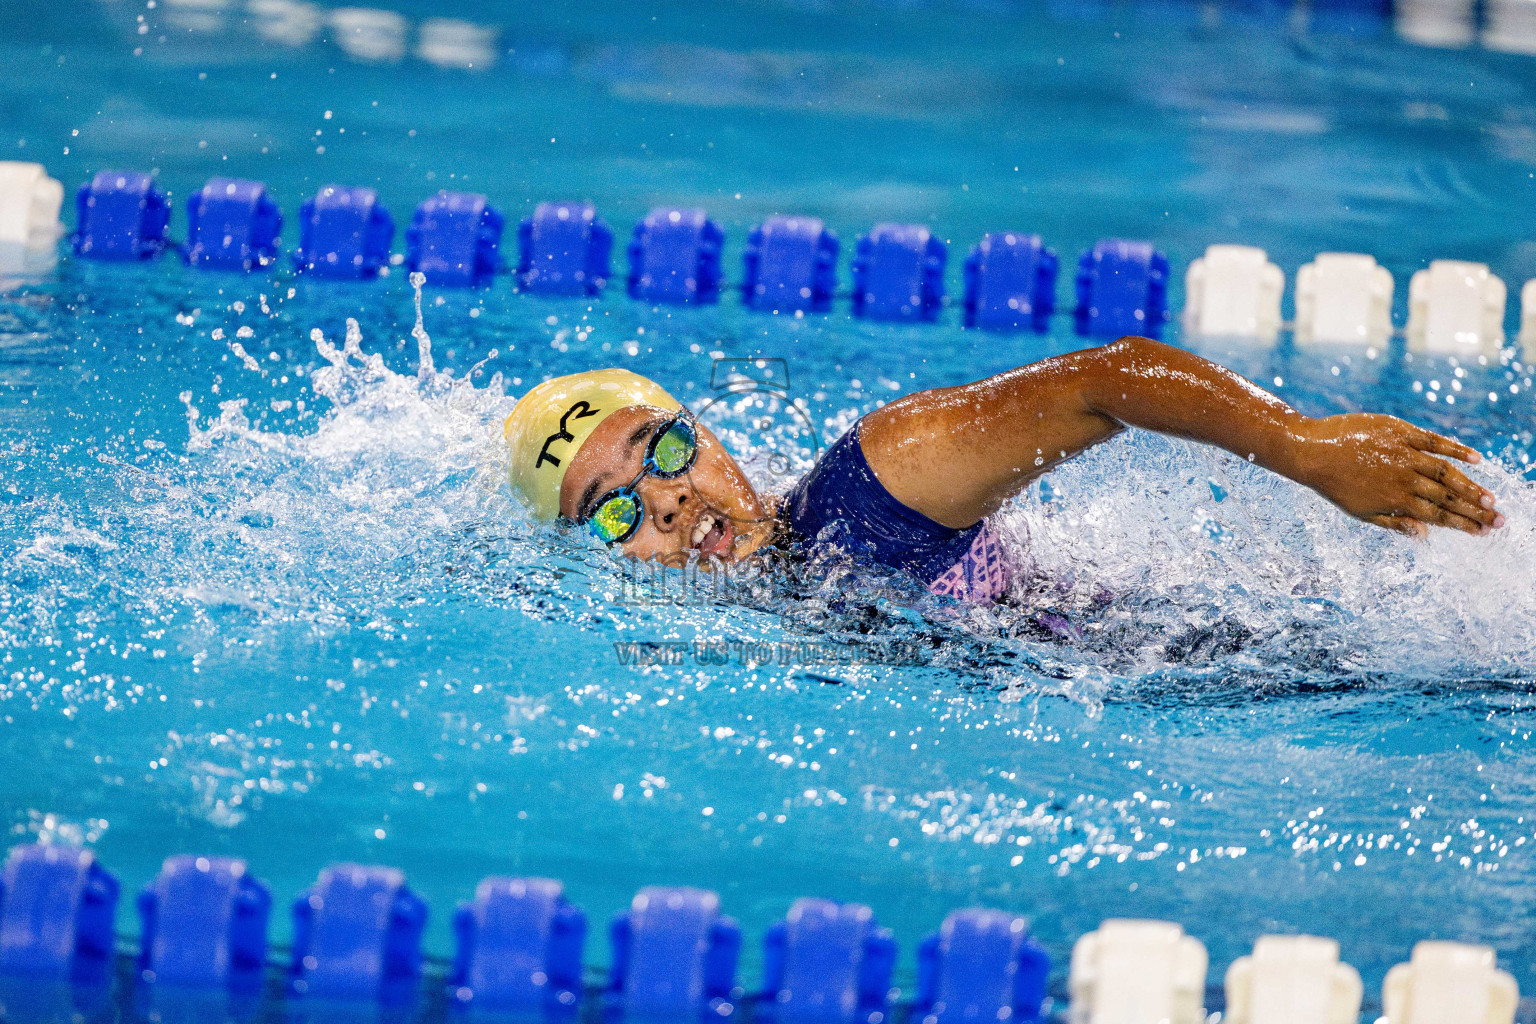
1134,346
1130,372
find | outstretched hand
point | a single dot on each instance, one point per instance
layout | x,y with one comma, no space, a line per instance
1389,472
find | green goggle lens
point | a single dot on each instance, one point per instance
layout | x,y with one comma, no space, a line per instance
616,518
674,449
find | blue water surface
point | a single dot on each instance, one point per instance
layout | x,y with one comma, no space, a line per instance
268,596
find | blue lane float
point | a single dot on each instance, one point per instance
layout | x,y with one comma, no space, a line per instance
1010,283
828,962
1122,288
344,233
455,239
120,215
204,925
520,947
898,273
232,225
981,965
674,257
56,910
357,936
790,265
674,956
563,249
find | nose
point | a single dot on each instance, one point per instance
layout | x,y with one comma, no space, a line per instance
665,500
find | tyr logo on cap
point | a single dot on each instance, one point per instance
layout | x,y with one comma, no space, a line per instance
563,434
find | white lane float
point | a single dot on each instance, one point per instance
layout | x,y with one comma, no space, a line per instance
1233,291
1293,979
1509,25
29,218
1456,308
368,34
1343,298
1137,972
1528,319
1449,983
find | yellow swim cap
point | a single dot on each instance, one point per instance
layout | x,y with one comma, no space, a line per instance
550,423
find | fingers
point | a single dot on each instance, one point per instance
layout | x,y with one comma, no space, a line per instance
1451,501
1444,475
1402,524
1443,472
1437,515
1429,441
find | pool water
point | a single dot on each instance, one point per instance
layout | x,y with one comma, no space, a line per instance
269,596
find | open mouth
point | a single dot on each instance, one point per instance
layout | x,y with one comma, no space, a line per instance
711,536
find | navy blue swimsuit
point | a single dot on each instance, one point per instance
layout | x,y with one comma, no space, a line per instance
841,492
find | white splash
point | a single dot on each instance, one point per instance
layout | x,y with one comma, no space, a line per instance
424,369
395,464
1166,546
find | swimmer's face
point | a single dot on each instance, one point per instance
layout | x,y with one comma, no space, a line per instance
711,509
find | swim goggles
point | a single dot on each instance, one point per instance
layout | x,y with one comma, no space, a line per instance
618,514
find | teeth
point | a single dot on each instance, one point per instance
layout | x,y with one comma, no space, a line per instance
701,529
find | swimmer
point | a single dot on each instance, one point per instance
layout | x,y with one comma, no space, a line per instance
911,484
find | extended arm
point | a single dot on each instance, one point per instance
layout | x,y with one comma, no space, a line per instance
957,454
